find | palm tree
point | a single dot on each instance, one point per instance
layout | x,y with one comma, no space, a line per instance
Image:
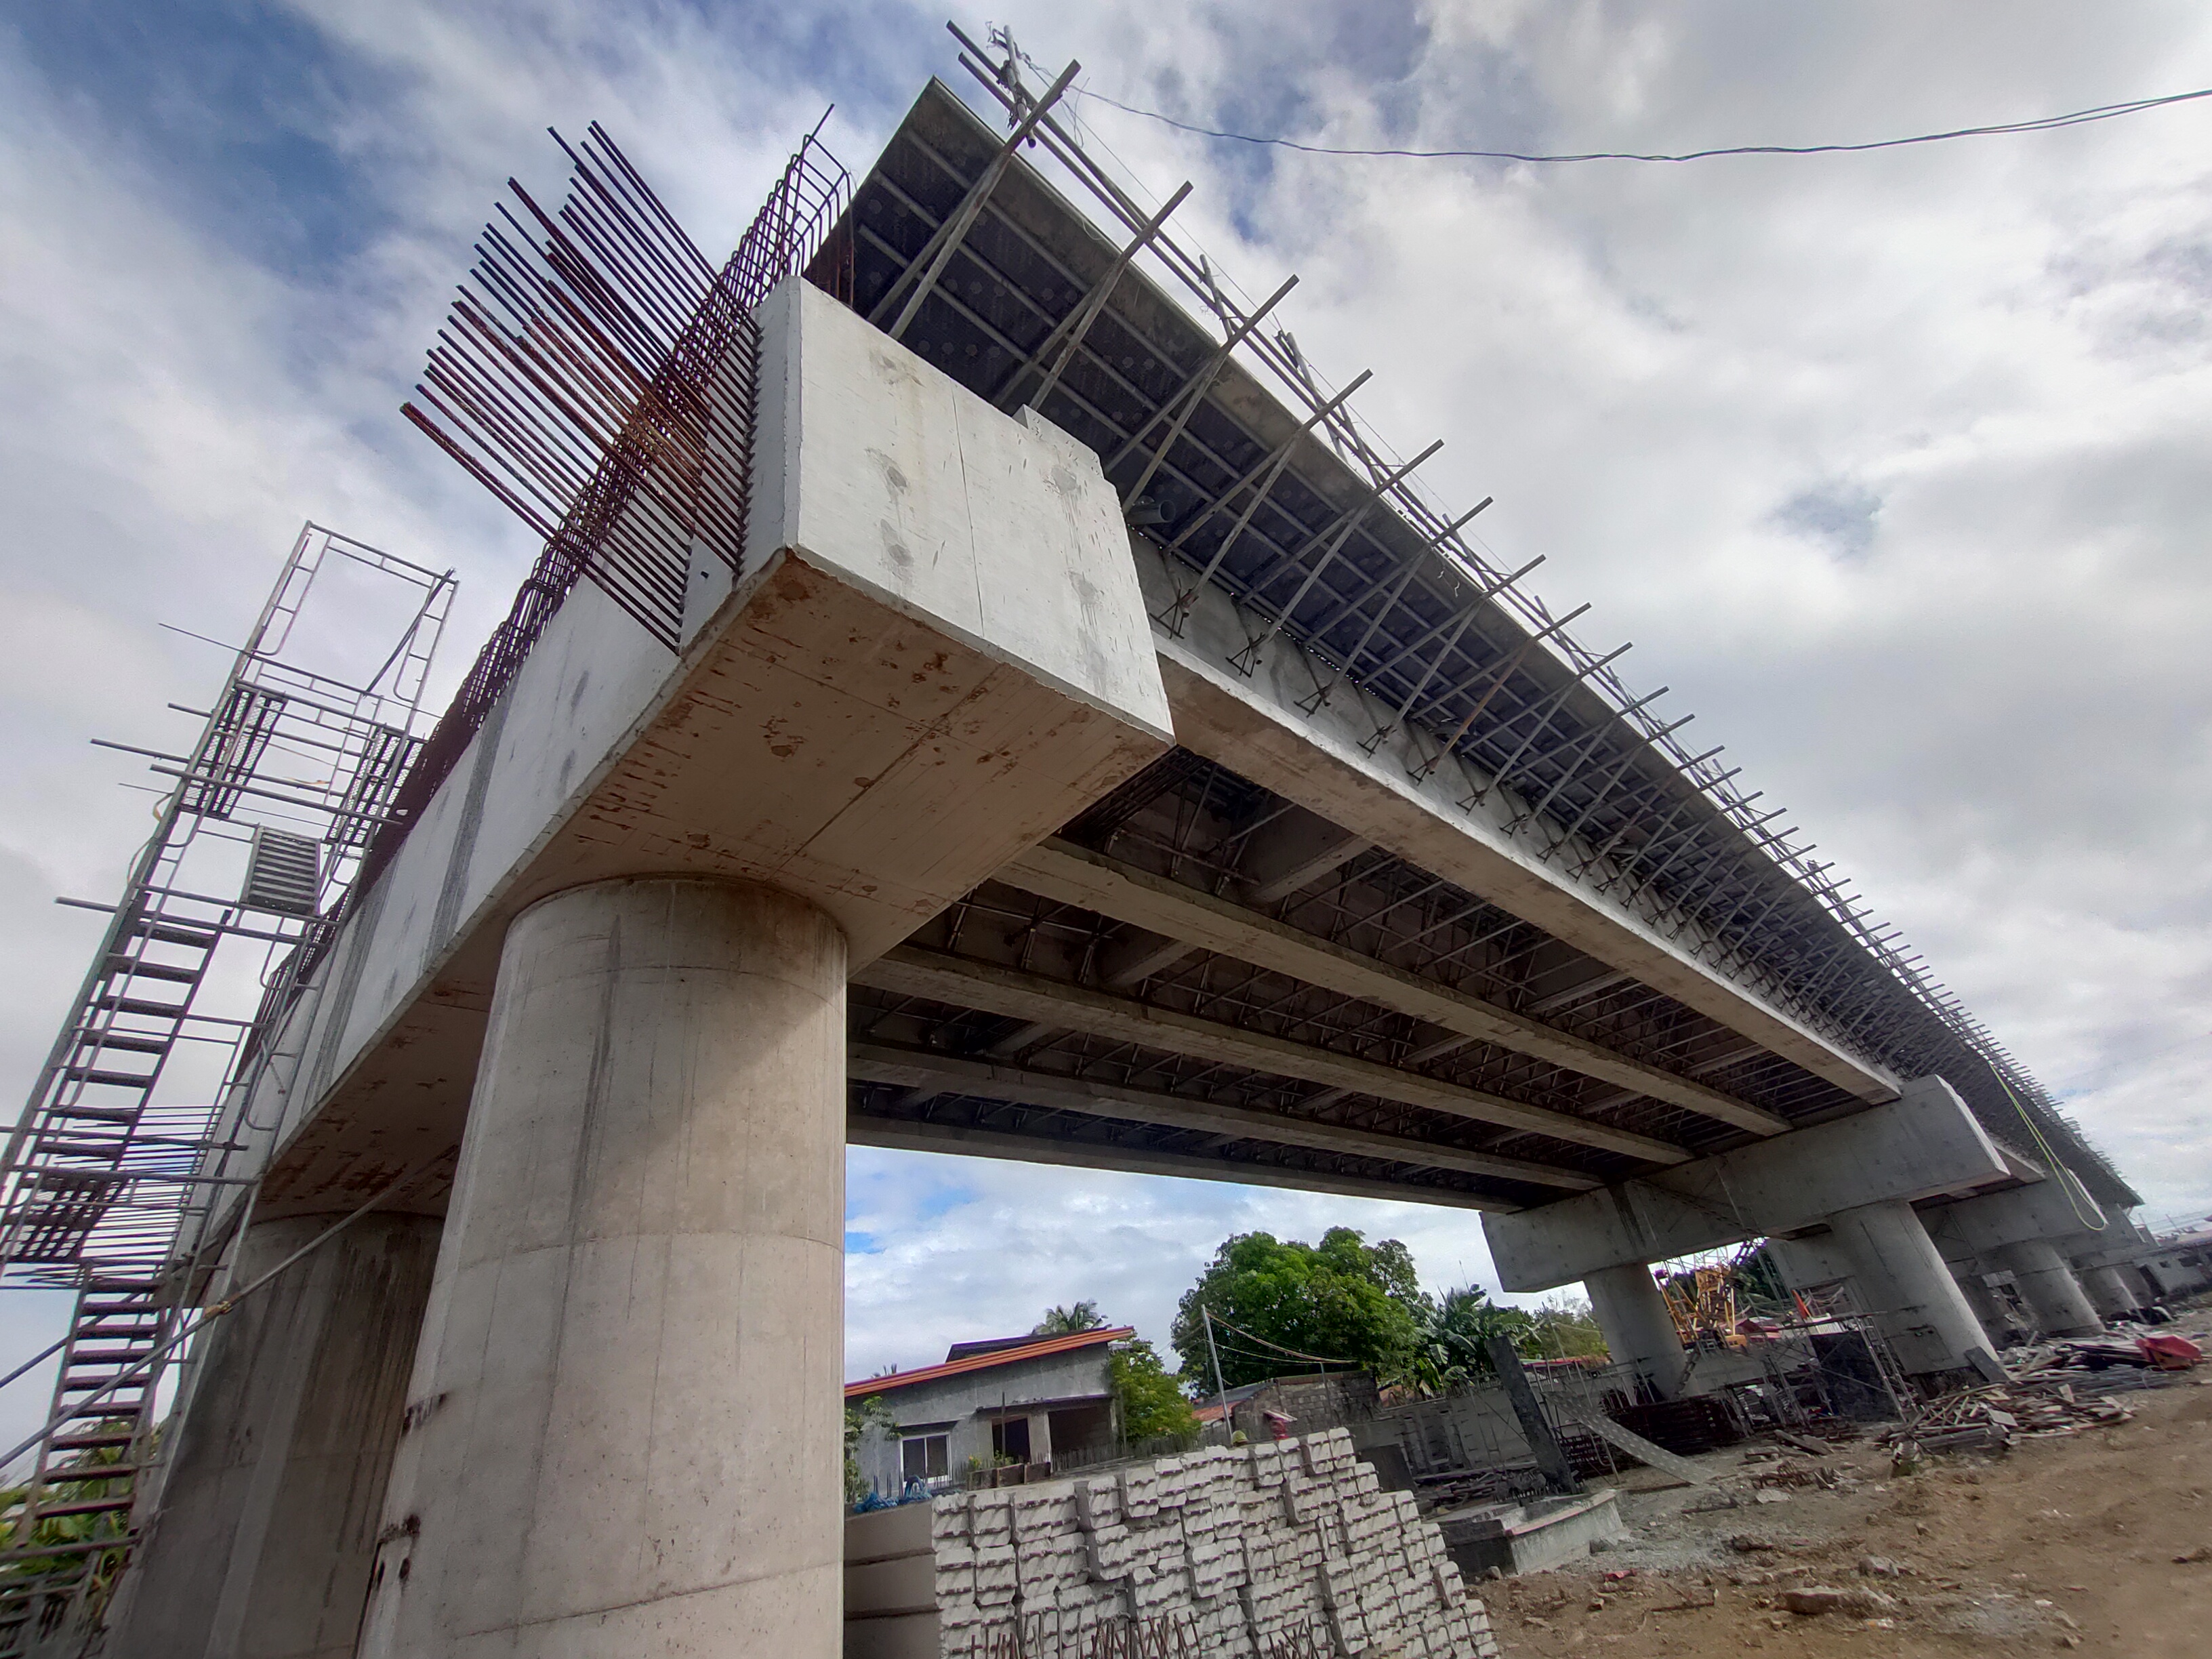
1452,1347
1065,1322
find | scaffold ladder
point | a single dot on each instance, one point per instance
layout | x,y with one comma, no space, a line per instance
111,1185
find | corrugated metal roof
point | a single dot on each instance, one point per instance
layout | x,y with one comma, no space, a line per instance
1041,1348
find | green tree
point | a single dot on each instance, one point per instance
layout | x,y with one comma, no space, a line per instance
19,1577
874,1412
1342,1298
1563,1329
1149,1395
1065,1322
1451,1346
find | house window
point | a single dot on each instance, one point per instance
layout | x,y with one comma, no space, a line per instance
923,1457
1010,1438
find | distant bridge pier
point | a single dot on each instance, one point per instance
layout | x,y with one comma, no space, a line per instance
2109,1292
1632,1311
2026,1231
1837,1198
268,1519
1899,1279
2046,1282
1988,1308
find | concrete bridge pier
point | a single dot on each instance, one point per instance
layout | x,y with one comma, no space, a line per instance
1838,1198
624,1436
266,1525
623,1433
1632,1311
2024,1230
2047,1284
2110,1292
1902,1282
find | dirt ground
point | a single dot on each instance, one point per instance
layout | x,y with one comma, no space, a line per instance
2064,1542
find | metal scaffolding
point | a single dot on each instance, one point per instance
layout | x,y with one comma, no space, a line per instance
110,1184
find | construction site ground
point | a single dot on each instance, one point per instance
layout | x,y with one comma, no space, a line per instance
2100,1541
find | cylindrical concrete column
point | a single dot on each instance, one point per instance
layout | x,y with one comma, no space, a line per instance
625,1431
1632,1311
2109,1293
2047,1285
1901,1281
2154,1291
267,1522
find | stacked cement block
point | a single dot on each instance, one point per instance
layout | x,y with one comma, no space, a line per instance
1244,1547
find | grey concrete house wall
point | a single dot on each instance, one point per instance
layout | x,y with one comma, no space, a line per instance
1039,1407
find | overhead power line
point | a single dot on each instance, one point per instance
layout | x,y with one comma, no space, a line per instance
2042,124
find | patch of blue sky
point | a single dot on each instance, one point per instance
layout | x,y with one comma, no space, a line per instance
880,1185
866,49
228,107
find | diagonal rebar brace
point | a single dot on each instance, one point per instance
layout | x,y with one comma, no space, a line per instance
1066,336
1186,398
1350,521
942,245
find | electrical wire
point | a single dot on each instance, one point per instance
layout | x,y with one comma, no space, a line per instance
1318,1359
2041,123
2069,1182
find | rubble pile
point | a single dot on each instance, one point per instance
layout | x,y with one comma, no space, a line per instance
1993,1418
2160,1352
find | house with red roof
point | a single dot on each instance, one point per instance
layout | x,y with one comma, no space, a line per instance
1014,1402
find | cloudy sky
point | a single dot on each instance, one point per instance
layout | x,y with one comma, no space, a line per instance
1895,467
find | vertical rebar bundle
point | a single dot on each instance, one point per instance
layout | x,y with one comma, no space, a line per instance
599,378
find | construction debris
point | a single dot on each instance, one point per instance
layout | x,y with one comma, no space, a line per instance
1992,1420
2160,1352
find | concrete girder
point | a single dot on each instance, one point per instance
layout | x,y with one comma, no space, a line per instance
1127,963
1294,852
966,982
1397,799
908,1136
1069,874
944,1073
1573,994
1922,1142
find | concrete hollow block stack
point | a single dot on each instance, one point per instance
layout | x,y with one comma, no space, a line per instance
1246,1548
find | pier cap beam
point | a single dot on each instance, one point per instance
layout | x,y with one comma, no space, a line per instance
2054,1209
1922,1143
936,654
